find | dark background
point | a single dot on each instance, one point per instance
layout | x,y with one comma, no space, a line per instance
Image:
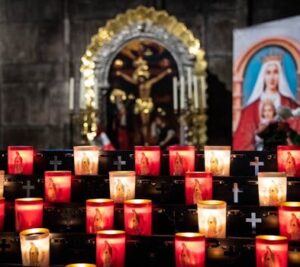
35,63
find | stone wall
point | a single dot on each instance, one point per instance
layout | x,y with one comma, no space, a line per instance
36,59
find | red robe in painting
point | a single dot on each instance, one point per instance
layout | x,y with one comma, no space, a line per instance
244,136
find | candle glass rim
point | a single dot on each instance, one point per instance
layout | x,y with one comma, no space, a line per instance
212,203
189,235
104,201
290,204
182,148
216,148
111,233
271,174
86,148
29,199
292,147
58,173
272,238
137,202
147,148
121,174
44,232
81,265
20,147
198,174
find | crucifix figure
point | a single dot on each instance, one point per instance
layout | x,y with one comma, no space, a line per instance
144,103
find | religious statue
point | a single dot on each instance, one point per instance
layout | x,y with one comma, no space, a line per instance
135,223
18,163
98,221
119,192
197,195
51,190
144,165
85,164
144,103
185,256
178,165
107,255
293,227
290,165
269,258
33,255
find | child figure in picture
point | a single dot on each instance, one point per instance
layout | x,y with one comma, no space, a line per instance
290,165
267,115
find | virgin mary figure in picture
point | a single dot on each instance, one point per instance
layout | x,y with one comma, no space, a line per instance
271,86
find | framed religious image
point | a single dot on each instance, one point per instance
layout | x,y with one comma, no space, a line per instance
265,81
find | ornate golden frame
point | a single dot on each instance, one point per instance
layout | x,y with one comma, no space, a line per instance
107,33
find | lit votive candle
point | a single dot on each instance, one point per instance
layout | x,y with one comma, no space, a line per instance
2,177
181,159
81,265
138,216
189,249
28,213
289,220
271,251
58,186
272,188
288,160
212,218
217,160
110,248
20,160
35,245
198,186
2,213
86,159
147,160
122,185
99,215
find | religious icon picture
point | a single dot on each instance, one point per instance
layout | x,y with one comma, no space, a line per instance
265,80
20,160
288,160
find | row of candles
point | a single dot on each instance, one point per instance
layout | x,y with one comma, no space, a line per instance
272,186
147,160
189,247
138,216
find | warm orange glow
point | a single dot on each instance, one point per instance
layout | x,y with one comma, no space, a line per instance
81,265
217,160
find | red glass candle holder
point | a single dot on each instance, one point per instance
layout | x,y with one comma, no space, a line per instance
58,186
271,251
35,247
99,215
189,249
86,159
272,188
212,218
181,159
20,160
289,220
217,160
121,185
288,160
138,216
28,213
147,160
198,186
110,248
2,213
